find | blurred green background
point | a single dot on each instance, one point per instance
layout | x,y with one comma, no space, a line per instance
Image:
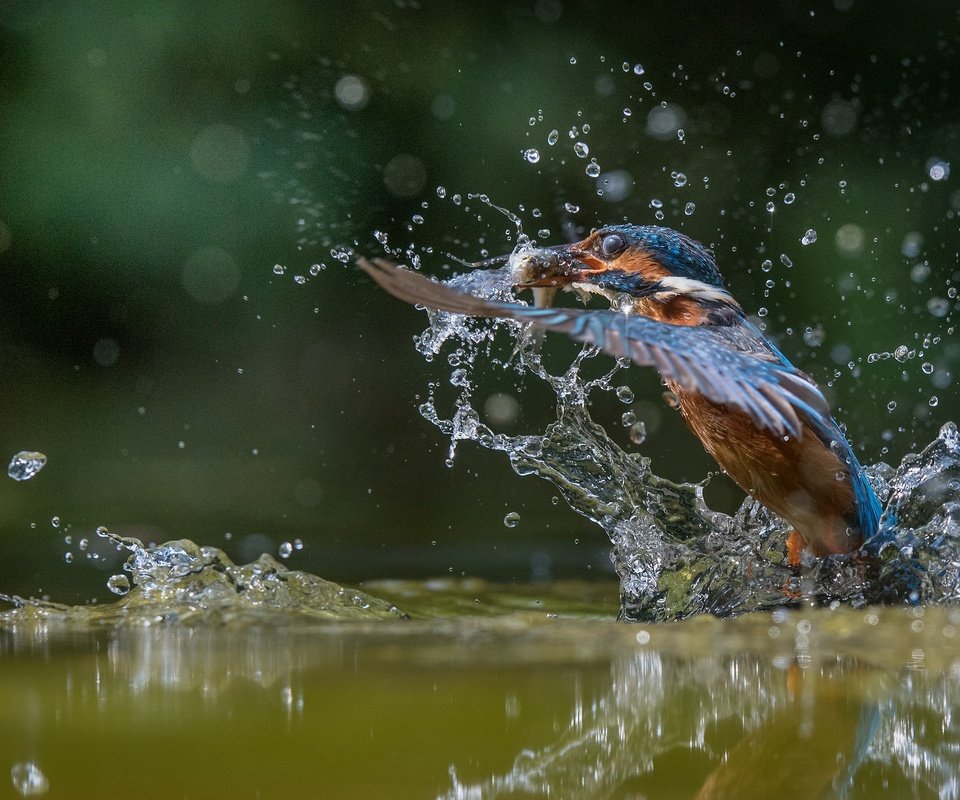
171,171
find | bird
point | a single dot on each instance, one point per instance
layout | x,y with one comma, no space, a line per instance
766,423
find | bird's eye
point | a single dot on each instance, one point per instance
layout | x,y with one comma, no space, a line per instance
612,244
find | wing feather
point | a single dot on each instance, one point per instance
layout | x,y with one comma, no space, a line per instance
772,393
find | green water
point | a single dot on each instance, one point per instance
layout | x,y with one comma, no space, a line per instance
486,691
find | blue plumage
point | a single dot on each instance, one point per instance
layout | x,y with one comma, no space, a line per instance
765,422
680,254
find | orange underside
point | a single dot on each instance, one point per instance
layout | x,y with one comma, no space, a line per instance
795,547
796,479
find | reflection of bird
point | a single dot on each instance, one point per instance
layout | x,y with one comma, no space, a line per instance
765,422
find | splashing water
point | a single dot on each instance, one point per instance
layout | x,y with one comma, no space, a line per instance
181,581
674,555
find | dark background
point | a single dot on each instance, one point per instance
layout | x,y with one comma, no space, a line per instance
157,160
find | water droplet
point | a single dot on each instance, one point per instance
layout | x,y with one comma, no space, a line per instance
938,306
571,208
352,92
532,155
902,353
892,405
809,237
441,192
679,179
553,137
628,418
581,149
279,269
55,521
766,265
933,402
771,207
342,254
638,69
689,208
938,169
788,198
118,584
511,520
573,59
785,260
285,549
927,368
593,169
28,780
671,400
25,464
68,557
625,394
638,432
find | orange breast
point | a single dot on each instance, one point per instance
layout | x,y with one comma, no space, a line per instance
802,480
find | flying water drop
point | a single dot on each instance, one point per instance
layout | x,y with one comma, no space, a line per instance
118,584
25,464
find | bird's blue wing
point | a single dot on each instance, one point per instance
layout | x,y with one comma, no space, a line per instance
868,506
699,359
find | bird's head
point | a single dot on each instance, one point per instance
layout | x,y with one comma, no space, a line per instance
667,275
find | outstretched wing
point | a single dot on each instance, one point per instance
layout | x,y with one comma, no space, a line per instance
697,358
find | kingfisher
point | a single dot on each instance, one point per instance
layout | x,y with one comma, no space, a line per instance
766,423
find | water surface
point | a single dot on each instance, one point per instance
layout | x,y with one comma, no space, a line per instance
480,691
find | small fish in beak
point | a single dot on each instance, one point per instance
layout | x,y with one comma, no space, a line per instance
543,270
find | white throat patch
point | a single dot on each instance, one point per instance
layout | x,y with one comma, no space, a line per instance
675,286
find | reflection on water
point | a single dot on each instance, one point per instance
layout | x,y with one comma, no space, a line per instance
674,555
785,704
791,726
